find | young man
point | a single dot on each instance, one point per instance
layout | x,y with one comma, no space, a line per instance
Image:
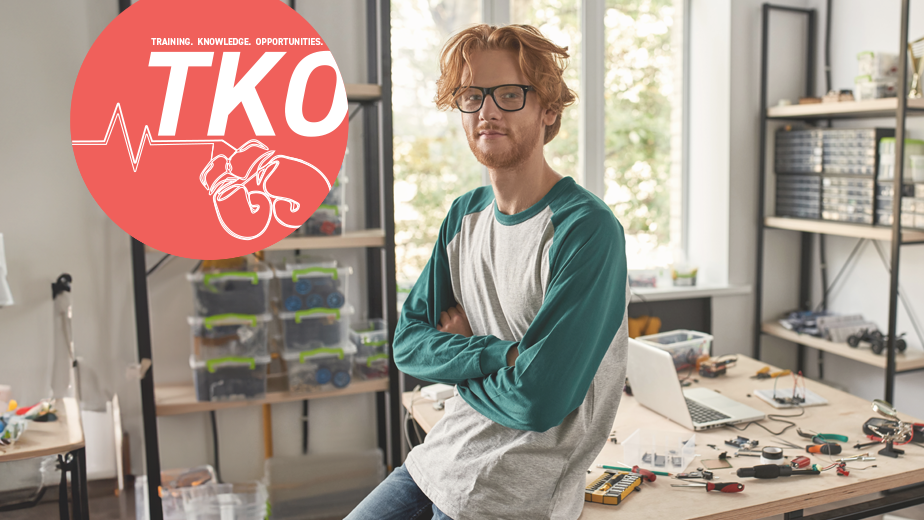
522,305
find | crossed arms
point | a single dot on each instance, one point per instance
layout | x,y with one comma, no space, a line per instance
534,383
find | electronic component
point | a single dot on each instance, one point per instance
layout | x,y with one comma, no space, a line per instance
800,462
660,460
437,392
612,487
703,475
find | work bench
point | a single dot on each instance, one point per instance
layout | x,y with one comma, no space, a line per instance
790,496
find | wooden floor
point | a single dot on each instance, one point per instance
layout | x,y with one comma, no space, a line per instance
104,505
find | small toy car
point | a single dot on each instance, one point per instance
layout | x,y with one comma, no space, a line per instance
876,339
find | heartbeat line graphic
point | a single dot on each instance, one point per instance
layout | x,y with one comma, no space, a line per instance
228,183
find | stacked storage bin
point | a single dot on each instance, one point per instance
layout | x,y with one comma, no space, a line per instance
847,200
912,204
847,162
315,325
371,340
229,333
798,160
878,76
330,217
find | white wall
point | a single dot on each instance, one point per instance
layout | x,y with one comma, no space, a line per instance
52,225
856,26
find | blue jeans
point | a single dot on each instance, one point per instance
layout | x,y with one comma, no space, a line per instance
396,498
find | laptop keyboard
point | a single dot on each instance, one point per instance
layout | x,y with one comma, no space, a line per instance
702,414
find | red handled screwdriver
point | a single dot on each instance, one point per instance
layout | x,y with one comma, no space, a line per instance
724,487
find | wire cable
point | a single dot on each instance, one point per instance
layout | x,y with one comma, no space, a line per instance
773,417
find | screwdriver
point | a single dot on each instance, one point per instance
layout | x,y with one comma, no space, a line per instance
646,474
724,487
773,471
764,373
829,448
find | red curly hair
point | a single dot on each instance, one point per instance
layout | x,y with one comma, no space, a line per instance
540,60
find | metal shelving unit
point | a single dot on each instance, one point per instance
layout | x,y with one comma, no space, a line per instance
899,107
378,239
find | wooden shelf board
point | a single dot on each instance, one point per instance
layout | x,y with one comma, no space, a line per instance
871,108
365,238
181,399
904,361
828,227
362,91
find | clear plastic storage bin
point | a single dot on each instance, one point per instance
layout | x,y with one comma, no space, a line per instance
212,501
659,450
685,346
320,369
327,220
224,292
335,195
370,336
315,285
371,366
865,88
230,378
877,64
315,328
229,335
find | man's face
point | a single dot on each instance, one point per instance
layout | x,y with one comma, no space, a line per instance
501,139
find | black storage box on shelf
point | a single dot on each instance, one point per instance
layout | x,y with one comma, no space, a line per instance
227,379
313,285
827,173
798,196
315,328
231,292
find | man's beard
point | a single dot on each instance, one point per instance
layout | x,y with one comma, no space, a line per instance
520,148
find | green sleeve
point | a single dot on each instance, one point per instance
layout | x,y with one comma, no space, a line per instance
426,353
559,355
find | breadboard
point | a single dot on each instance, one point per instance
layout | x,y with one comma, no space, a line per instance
811,398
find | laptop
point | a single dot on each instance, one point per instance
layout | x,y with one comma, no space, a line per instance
655,385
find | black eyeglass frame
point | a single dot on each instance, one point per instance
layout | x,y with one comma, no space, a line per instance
489,91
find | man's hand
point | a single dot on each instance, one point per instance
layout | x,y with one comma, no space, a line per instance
454,321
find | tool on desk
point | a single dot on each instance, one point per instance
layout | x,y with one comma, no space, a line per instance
742,453
821,438
828,448
704,475
771,455
655,386
768,471
789,445
612,487
764,373
646,474
724,487
864,457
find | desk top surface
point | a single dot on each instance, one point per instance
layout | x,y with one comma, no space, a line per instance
845,414
49,438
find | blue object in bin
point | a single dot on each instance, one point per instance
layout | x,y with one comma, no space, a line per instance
303,287
334,300
323,376
293,303
341,379
314,301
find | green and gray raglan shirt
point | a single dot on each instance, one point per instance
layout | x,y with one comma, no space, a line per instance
551,281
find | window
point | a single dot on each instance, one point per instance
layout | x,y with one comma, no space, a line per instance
642,76
433,164
643,126
559,21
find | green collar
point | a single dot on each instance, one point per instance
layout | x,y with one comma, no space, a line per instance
530,212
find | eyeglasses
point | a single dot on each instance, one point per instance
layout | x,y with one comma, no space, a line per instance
508,98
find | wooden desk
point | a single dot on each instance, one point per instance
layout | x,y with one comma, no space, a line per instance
845,414
63,438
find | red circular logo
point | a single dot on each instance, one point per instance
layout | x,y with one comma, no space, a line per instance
209,128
